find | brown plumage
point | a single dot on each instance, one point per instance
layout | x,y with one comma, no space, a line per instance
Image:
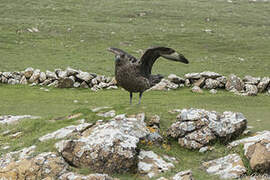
135,75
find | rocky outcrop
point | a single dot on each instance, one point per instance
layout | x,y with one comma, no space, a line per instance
183,175
257,150
228,167
9,119
150,164
196,128
109,147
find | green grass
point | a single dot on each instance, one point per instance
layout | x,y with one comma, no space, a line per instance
77,33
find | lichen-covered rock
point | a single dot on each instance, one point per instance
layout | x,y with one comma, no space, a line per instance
251,90
35,76
164,85
209,74
45,165
150,164
251,80
9,119
65,82
222,81
257,150
84,76
71,72
65,132
196,128
228,167
176,79
51,75
193,76
234,83
109,147
74,176
62,74
211,84
28,72
183,175
13,81
264,83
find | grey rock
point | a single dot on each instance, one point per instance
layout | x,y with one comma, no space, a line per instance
109,147
13,81
28,72
176,79
71,72
213,91
264,83
51,75
42,77
209,74
228,167
107,114
54,83
62,74
187,83
183,175
251,90
222,81
211,84
76,84
196,128
9,119
35,76
65,82
84,76
193,76
234,83
23,80
200,83
150,164
46,82
84,85
251,80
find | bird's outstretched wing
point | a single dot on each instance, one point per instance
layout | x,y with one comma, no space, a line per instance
152,54
120,52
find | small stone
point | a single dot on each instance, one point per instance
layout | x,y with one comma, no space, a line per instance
84,76
65,82
251,80
175,79
196,89
234,82
76,84
42,77
84,85
154,120
71,72
107,114
211,84
200,83
28,72
16,135
213,91
209,74
251,90
35,76
62,74
193,76
51,75
183,175
75,101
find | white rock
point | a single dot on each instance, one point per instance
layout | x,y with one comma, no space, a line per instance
9,119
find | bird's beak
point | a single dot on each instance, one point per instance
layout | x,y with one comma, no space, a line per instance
176,57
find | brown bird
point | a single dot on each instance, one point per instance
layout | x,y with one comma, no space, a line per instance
135,75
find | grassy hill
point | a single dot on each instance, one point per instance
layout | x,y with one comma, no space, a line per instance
214,35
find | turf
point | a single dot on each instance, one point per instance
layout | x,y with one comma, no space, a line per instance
214,35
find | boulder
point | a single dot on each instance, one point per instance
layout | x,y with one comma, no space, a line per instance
150,164
62,74
257,150
176,79
251,90
109,147
51,75
222,81
228,167
264,83
35,76
42,77
234,83
209,74
65,83
193,76
213,91
211,84
28,72
84,76
251,80
65,132
71,72
196,128
45,165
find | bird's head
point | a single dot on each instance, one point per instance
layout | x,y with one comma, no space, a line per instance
120,56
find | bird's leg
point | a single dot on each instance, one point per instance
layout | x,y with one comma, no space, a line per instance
130,98
140,98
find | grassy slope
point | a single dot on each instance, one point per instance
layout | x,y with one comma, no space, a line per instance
239,30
